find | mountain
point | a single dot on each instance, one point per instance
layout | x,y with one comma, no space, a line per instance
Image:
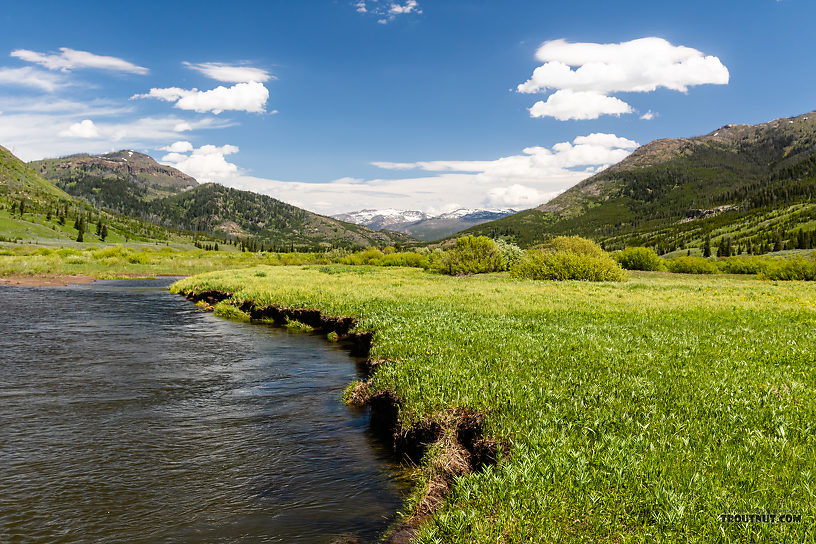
751,183
33,208
380,219
238,214
141,169
420,225
135,185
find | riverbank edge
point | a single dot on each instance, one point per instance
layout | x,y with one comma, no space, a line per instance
456,436
55,280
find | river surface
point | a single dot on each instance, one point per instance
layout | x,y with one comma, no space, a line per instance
126,416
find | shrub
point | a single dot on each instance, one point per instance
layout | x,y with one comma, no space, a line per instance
510,254
471,255
639,258
691,265
371,255
567,265
744,265
408,258
573,244
796,268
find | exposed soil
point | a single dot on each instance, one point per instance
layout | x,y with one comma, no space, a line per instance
47,281
456,433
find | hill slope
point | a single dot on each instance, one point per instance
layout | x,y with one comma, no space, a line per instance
753,184
34,209
133,184
234,213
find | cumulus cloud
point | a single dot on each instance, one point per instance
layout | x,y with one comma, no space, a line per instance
517,181
83,129
250,97
177,147
565,104
584,75
230,73
31,77
387,11
70,59
205,163
648,116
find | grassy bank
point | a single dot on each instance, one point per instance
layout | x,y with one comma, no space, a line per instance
636,412
116,261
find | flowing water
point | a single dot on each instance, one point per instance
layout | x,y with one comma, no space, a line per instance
126,416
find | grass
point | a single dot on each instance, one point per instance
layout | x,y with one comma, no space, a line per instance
637,411
116,261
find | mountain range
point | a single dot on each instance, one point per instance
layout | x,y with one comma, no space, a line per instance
751,184
420,225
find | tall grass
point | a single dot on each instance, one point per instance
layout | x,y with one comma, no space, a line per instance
636,412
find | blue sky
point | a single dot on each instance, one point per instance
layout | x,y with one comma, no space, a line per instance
410,104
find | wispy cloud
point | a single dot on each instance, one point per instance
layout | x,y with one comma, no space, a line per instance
31,77
642,65
71,59
229,73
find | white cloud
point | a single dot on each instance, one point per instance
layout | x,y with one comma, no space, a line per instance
229,73
642,65
49,133
83,129
515,196
177,147
71,59
205,164
565,104
517,181
31,77
387,11
648,116
398,9
250,97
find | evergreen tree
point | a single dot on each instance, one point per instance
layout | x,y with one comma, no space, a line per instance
707,246
104,233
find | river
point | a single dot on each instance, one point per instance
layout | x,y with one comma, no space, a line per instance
128,416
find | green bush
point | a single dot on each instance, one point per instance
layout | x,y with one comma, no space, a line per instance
510,254
796,268
567,265
691,265
471,255
568,258
639,258
409,258
573,244
744,265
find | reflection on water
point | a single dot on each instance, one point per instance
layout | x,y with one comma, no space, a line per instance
125,416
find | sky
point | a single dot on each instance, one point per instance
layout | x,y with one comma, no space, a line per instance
431,105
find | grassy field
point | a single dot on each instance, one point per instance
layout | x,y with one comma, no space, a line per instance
116,261
636,411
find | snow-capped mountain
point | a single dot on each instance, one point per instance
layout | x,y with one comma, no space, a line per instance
421,225
382,219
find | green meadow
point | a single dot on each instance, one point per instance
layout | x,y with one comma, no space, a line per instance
635,411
